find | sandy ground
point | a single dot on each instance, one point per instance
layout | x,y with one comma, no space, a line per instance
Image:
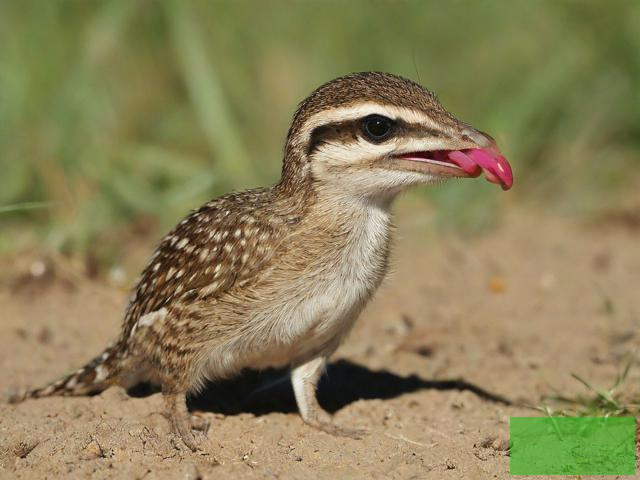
459,325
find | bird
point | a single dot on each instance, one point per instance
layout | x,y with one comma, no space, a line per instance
277,276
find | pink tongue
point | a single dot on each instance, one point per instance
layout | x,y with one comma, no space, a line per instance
495,167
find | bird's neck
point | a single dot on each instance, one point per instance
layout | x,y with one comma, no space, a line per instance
299,183
355,228
332,201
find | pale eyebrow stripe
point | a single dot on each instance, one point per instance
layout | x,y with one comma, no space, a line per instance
354,112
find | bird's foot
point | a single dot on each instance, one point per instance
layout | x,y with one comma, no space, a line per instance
325,423
185,428
183,423
304,379
340,431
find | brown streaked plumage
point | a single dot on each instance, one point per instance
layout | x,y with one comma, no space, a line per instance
277,276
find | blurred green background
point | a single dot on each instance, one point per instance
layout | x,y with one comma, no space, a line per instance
121,115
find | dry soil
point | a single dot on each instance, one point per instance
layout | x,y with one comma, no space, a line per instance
460,327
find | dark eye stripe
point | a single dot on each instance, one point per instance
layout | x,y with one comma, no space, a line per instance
349,131
337,132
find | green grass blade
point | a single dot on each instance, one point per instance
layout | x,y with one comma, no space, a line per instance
207,96
20,207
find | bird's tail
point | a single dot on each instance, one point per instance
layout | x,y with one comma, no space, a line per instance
97,375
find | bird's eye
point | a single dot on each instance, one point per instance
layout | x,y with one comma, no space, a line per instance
376,127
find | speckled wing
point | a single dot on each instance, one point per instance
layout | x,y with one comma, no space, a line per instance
221,245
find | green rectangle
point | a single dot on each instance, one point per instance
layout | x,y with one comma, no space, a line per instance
572,446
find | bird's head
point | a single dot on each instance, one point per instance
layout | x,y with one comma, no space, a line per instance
373,134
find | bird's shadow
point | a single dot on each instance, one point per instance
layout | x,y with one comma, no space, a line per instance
270,391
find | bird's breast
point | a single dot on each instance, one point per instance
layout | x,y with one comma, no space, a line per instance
317,306
306,303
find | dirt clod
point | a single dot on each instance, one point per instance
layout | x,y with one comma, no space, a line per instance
25,447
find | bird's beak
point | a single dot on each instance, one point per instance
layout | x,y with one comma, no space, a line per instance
489,161
483,157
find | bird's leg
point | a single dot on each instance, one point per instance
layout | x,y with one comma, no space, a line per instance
178,414
305,380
